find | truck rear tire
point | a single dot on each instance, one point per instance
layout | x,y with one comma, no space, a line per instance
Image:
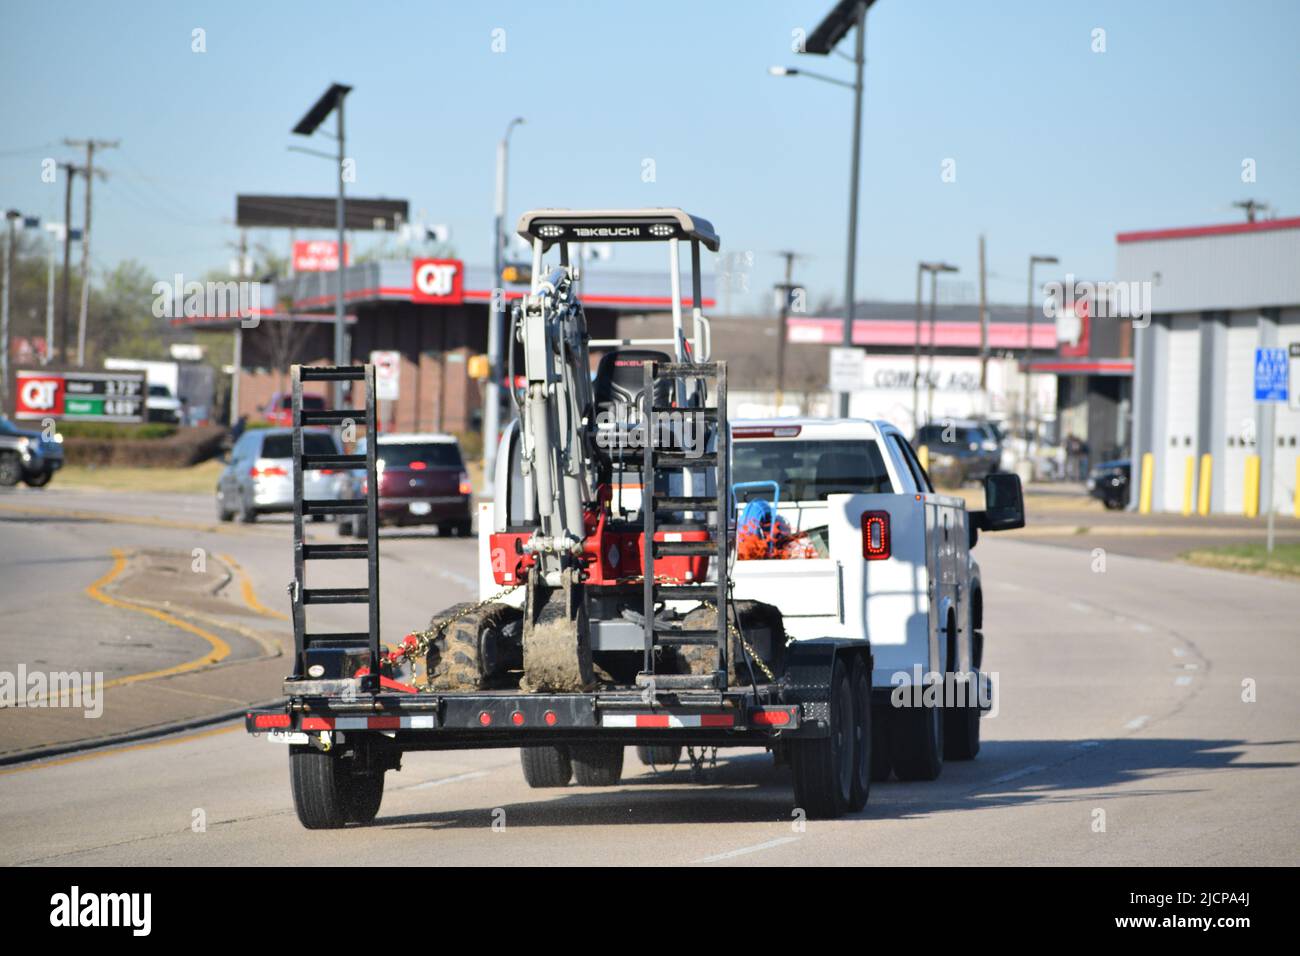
546,766
863,742
659,755
327,794
961,731
823,766
916,742
597,765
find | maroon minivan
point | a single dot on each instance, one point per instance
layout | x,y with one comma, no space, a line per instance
422,481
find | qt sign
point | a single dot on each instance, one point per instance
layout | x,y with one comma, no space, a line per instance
80,396
39,396
437,280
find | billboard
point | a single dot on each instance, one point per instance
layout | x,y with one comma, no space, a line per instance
80,396
317,212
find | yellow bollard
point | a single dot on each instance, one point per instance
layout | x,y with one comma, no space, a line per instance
1250,494
1203,498
1148,476
1297,487
1189,484
923,456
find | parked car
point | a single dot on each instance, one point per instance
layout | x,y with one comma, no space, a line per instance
162,406
27,455
960,450
258,477
1109,482
279,410
422,481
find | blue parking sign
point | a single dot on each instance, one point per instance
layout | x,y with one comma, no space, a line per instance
1271,374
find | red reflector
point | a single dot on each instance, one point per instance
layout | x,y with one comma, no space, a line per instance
484,718
384,723
318,723
550,718
271,720
717,720
517,719
769,718
875,535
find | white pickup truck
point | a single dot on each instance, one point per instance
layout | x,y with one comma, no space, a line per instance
863,548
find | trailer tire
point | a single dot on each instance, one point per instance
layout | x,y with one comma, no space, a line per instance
597,765
326,794
916,742
823,766
546,766
863,741
659,755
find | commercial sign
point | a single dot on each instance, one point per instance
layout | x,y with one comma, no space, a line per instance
319,255
847,373
80,396
1271,375
437,280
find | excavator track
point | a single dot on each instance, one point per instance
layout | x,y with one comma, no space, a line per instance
465,653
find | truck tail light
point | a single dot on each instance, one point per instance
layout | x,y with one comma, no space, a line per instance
274,471
465,487
875,535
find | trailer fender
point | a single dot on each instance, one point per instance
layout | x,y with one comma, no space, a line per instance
806,679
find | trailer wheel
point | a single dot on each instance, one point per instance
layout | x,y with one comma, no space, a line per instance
659,755
863,742
597,765
823,766
327,795
916,742
546,766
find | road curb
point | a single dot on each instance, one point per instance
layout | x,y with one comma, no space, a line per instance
130,736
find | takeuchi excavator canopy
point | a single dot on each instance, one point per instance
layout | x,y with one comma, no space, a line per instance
615,225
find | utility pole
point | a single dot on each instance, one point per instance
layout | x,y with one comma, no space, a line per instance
859,60
11,217
91,145
984,331
69,171
785,288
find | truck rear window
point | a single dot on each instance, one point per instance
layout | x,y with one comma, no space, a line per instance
810,470
313,443
433,455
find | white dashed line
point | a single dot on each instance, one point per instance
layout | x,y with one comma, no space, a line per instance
756,848
1182,681
472,775
1017,774
1137,723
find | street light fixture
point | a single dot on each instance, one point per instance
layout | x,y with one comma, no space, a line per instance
496,319
843,17
331,101
1029,349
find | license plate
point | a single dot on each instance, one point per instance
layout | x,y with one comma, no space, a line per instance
286,737
420,507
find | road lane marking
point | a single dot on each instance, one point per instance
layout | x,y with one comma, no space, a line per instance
1137,723
744,850
249,593
109,751
1017,774
219,648
1182,681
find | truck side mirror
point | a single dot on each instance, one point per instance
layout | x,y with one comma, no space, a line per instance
1004,503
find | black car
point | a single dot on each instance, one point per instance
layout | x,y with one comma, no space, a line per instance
960,451
1109,481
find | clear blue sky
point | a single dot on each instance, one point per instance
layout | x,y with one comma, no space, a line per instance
1056,147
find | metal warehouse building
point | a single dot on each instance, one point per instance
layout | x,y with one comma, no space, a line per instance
1216,294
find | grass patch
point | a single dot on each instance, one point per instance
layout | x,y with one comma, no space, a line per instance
197,479
1253,558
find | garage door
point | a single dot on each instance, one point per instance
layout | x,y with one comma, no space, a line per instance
1182,390
1287,425
1239,408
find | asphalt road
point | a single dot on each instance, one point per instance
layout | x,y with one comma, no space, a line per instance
1122,737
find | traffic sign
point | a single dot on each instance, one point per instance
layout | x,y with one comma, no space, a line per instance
1271,375
847,371
388,370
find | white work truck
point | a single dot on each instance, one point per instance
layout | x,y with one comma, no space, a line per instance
865,549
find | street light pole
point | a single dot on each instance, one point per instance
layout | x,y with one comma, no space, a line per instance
340,351
12,216
496,319
921,267
1029,348
859,58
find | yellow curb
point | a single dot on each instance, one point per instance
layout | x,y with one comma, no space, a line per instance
248,592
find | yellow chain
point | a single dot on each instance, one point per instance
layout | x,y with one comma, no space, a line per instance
753,654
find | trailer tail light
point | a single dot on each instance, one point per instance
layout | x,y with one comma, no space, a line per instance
484,718
465,487
550,718
769,718
517,718
875,535
271,721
